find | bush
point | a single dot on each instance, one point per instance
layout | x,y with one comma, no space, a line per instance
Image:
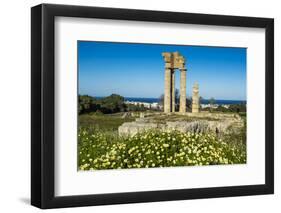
110,104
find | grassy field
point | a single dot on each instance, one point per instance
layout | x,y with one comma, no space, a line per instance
100,147
109,122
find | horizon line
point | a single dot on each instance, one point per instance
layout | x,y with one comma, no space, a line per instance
158,97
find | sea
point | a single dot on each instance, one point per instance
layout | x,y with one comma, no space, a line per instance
204,101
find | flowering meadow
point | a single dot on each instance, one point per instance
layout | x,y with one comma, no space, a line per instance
106,150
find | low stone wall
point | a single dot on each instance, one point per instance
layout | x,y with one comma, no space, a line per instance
222,124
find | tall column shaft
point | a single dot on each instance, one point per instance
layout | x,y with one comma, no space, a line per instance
173,92
167,95
182,90
195,99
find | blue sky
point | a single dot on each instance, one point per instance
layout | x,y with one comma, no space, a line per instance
137,70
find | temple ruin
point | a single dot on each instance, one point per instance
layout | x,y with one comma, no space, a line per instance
174,61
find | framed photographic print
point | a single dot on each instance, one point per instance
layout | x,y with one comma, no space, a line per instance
138,106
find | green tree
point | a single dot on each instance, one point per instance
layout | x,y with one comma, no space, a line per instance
86,103
113,103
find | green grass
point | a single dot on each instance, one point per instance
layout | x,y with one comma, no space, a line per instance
109,122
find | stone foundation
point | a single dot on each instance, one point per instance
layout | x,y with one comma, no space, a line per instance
205,122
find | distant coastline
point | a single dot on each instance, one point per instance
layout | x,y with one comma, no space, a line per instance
204,101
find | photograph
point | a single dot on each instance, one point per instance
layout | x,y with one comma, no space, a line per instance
160,105
133,105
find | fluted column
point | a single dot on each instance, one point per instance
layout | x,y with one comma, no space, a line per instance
167,95
182,90
173,92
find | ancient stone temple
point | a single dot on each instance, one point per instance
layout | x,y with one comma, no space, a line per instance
174,61
195,99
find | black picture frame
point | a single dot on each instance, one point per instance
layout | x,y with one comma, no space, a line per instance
43,111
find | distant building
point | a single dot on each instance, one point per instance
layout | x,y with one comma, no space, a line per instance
214,106
154,105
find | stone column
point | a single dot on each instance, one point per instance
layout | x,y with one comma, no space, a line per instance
195,99
182,90
173,92
167,95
